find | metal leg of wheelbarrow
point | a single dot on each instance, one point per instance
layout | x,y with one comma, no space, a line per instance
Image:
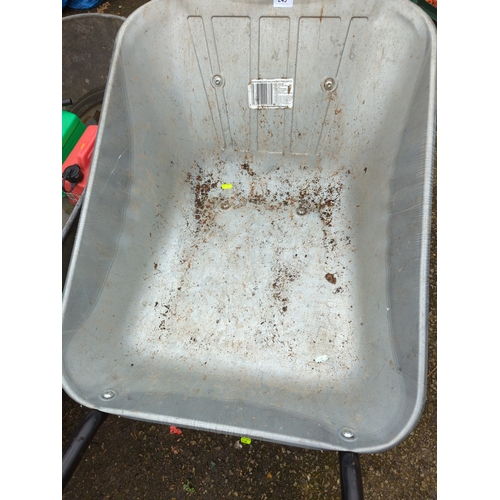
78,444
350,476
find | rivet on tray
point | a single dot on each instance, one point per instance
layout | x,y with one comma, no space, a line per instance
217,81
108,394
329,84
225,205
347,433
301,210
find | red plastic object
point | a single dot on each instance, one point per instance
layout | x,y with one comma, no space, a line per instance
81,156
175,430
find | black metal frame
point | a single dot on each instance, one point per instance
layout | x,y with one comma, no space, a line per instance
79,443
350,476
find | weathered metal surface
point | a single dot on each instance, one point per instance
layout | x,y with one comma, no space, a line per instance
289,305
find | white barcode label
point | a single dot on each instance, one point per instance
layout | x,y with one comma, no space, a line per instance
282,3
270,94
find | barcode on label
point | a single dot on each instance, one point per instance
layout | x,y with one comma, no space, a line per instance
276,93
263,94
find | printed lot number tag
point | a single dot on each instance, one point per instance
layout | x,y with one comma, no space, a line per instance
282,3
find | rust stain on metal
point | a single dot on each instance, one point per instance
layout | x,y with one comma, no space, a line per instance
246,167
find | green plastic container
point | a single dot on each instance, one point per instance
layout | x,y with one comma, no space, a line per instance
72,130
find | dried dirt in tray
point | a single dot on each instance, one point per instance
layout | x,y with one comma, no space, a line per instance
137,460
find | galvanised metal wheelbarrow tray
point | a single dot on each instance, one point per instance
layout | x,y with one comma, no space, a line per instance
252,257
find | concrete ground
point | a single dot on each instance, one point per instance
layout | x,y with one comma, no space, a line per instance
132,460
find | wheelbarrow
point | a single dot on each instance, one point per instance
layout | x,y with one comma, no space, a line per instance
252,256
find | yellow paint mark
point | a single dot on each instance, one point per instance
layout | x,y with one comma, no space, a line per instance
227,186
